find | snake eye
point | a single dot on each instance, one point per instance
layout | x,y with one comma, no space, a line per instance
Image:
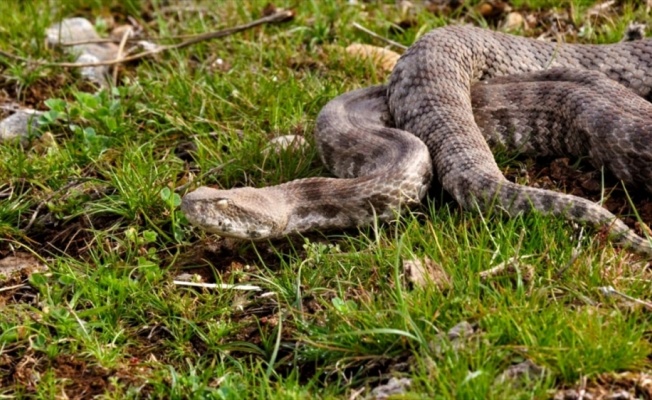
222,204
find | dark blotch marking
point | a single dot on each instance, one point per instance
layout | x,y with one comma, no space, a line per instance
547,201
328,211
578,211
379,202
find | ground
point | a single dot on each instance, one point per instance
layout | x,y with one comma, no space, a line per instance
92,240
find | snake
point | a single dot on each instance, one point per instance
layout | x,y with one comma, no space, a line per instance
455,94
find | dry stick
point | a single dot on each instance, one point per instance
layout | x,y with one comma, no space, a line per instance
121,49
129,40
219,286
276,17
611,291
6,288
377,36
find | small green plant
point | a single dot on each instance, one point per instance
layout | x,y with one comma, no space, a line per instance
92,118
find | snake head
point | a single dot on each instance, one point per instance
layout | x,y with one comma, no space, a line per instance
243,213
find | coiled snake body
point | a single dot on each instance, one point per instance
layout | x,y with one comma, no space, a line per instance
456,91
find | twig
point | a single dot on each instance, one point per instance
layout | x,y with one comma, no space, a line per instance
276,17
219,286
377,36
129,40
6,288
119,55
611,291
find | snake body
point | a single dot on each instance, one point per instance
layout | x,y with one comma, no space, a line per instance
455,92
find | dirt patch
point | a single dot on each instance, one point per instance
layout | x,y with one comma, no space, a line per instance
79,378
36,92
626,385
15,270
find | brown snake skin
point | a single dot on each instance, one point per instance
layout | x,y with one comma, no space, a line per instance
460,89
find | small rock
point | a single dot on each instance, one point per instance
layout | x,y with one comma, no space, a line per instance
19,268
457,337
185,277
421,273
513,21
292,142
19,125
462,330
485,9
527,371
69,30
78,30
391,388
98,75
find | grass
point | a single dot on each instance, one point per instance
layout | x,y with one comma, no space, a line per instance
106,319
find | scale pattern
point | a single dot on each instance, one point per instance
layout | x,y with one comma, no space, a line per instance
455,92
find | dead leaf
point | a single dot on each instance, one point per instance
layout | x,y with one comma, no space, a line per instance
382,58
422,274
269,9
188,277
44,143
513,21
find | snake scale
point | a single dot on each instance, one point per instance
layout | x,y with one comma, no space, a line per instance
456,91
